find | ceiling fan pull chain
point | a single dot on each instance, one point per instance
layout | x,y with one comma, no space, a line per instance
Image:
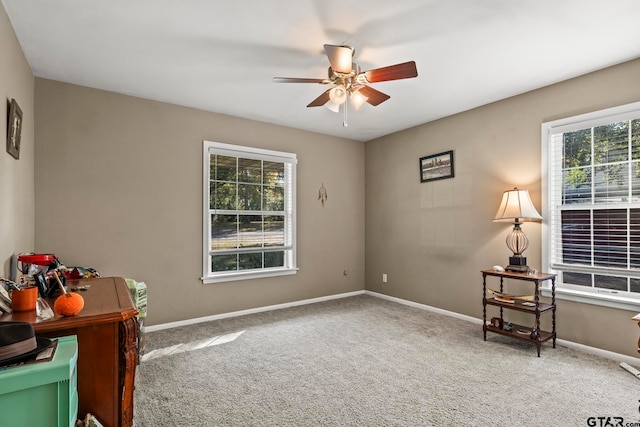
346,107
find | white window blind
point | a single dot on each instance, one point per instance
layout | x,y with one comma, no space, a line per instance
249,212
591,204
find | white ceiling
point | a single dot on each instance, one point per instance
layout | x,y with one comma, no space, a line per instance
220,56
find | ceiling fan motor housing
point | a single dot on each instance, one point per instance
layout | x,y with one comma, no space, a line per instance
351,81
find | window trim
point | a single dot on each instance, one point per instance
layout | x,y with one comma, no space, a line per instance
592,119
244,152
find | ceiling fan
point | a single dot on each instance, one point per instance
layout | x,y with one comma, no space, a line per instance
350,83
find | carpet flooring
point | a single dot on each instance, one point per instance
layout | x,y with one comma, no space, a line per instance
364,361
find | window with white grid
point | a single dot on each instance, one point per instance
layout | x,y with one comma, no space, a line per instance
249,212
591,205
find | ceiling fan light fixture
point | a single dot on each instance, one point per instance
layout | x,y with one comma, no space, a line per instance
332,106
357,99
338,94
340,57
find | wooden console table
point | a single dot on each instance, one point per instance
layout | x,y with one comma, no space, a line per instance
524,333
107,334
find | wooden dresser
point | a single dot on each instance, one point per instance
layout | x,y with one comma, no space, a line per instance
107,333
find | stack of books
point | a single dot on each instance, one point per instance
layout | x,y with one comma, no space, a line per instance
510,299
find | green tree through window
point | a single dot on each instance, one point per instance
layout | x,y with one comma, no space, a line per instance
250,210
593,204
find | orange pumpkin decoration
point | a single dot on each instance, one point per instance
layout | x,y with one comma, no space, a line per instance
69,304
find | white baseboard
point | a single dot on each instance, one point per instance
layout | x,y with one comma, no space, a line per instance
635,361
425,307
569,344
580,347
249,311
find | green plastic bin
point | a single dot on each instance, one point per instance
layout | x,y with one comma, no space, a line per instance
42,394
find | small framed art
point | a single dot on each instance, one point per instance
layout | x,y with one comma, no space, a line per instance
14,129
436,166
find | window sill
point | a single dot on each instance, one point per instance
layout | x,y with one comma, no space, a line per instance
611,301
229,277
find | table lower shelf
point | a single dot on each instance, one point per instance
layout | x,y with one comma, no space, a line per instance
526,336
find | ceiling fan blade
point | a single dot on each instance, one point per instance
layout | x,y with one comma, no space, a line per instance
297,80
321,100
406,70
375,97
340,57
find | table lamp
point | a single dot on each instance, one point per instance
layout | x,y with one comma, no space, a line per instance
516,206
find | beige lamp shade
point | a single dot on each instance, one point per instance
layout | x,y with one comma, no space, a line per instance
516,204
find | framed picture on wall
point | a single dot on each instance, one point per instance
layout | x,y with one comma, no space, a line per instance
14,129
436,166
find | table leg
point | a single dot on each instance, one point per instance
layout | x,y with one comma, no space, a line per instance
484,306
553,312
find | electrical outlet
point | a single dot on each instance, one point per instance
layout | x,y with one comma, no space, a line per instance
384,277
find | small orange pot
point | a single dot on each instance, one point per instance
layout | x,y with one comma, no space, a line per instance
24,299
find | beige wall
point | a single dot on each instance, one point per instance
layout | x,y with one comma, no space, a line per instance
119,188
16,176
432,239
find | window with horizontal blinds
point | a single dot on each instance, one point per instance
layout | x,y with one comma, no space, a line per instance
249,212
591,203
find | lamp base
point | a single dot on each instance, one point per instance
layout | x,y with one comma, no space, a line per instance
517,264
